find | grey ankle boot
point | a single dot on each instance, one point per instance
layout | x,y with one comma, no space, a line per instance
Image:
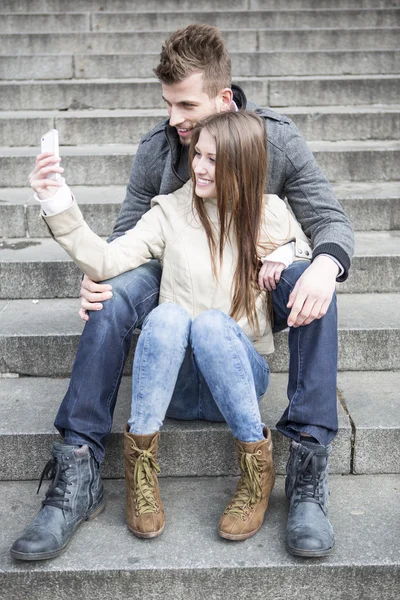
75,495
309,532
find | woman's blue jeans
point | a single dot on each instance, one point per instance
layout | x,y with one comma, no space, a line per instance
86,412
201,369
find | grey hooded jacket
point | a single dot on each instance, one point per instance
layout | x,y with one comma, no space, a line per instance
161,167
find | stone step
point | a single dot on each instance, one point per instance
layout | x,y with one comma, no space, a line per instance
372,402
370,205
40,338
40,268
336,123
136,6
108,163
189,561
275,19
367,441
237,40
134,93
259,64
28,406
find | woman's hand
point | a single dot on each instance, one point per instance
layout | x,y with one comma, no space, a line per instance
270,274
45,164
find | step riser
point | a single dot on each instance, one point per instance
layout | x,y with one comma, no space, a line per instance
175,448
237,41
16,221
177,458
61,279
56,6
275,93
370,445
261,64
20,131
356,165
237,582
106,561
359,166
333,92
379,214
53,355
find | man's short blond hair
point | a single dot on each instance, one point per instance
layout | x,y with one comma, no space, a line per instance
194,49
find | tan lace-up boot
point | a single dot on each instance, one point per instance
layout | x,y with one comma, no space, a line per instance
144,510
244,514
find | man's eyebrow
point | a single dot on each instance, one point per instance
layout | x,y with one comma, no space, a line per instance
182,101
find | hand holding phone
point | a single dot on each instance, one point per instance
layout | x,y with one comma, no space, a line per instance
49,144
46,176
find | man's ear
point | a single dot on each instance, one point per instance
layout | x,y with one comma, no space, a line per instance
225,98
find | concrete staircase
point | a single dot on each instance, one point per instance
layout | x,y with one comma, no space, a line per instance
84,67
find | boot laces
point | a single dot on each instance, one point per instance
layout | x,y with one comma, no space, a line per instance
56,494
143,480
249,489
309,482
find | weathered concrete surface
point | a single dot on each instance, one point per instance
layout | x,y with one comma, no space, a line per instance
370,206
111,163
28,407
131,94
238,39
39,267
373,401
104,560
41,339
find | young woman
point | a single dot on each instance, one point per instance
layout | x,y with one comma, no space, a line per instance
198,356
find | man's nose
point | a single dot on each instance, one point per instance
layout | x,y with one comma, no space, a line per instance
175,116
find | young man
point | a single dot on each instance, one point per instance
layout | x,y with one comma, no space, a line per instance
195,74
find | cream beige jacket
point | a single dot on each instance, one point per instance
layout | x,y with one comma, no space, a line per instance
172,232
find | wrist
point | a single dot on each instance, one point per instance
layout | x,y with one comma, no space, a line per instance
327,263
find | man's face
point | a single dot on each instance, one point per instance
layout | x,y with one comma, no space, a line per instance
187,104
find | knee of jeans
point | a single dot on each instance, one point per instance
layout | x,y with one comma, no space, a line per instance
207,326
169,319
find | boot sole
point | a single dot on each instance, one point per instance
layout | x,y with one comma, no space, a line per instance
238,537
309,553
146,536
54,553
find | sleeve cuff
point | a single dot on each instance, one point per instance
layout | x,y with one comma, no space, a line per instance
62,200
336,252
335,260
283,254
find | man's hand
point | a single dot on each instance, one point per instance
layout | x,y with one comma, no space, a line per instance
92,295
270,274
312,294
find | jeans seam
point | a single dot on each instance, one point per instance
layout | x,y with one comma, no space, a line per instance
235,355
117,379
298,379
142,364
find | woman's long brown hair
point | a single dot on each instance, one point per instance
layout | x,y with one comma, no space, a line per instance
240,176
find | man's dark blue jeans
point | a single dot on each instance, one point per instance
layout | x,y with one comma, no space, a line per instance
86,412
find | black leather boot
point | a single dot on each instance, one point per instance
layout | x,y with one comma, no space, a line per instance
75,495
309,532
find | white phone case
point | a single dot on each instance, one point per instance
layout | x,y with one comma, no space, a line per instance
49,143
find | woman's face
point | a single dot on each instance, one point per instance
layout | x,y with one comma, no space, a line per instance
203,165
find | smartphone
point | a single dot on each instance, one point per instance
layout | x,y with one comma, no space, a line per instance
49,143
